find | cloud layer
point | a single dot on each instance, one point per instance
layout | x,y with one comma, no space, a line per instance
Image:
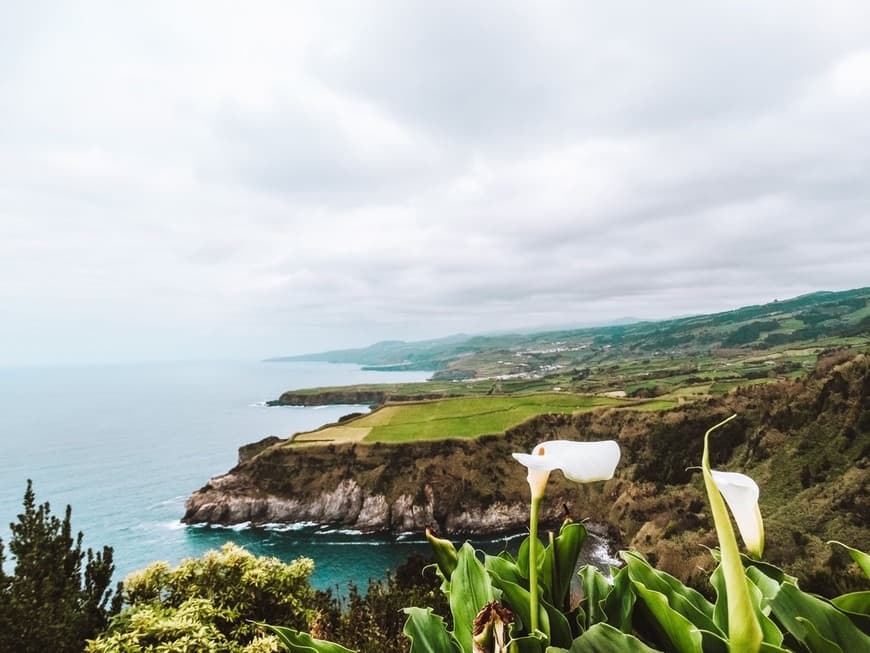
184,179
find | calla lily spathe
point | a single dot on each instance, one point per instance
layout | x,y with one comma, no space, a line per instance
741,495
582,462
744,630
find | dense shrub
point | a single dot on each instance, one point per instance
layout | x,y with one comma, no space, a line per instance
210,604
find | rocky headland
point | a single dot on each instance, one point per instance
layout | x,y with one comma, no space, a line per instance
806,442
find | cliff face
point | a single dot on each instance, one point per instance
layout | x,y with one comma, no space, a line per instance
806,442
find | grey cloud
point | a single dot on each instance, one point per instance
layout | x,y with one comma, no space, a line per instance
315,175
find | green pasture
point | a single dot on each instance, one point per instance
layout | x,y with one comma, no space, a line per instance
470,417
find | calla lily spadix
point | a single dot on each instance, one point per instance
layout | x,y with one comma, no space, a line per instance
582,462
741,495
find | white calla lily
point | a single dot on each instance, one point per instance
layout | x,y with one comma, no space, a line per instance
741,495
582,462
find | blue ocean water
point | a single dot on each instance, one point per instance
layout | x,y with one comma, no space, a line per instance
125,445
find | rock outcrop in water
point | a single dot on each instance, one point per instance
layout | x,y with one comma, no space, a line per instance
806,442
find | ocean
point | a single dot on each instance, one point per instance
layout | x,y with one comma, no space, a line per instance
125,445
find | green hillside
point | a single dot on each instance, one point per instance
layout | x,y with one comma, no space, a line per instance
832,318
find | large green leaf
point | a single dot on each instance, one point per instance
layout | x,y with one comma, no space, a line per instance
470,590
793,609
595,590
681,634
604,638
861,558
428,632
523,555
506,569
297,642
684,600
815,641
507,577
619,604
564,552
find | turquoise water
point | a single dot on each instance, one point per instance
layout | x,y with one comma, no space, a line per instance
125,445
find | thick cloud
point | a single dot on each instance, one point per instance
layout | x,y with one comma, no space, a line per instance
182,179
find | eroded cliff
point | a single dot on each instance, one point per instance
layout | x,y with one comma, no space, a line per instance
806,442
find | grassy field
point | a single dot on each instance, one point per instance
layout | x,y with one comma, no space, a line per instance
461,417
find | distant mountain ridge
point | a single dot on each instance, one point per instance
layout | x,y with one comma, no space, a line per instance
780,322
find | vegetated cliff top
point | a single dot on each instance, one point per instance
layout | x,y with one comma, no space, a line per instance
806,441
817,315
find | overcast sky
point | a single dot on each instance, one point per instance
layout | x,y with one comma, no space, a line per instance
188,180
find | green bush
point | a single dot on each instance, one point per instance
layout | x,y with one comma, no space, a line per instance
210,604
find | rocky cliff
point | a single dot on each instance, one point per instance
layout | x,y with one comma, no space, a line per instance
806,442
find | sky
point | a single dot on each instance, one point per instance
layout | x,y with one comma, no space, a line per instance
241,180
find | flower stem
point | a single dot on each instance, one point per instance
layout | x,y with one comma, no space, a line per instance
533,562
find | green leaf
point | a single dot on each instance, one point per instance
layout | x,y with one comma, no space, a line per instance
814,640
567,548
604,638
595,590
680,633
619,604
445,554
470,590
506,570
523,555
517,599
428,633
684,600
534,643
297,642
792,608
857,602
856,606
861,558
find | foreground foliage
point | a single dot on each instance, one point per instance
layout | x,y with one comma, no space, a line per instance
209,604
58,595
502,604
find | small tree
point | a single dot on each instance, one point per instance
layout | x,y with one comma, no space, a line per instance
59,594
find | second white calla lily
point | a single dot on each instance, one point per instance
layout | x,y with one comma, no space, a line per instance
741,495
582,462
